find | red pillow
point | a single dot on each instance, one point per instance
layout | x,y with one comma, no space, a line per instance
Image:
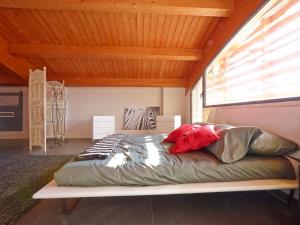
194,140
177,133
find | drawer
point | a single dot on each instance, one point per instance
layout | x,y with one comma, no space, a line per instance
103,124
100,135
103,130
103,118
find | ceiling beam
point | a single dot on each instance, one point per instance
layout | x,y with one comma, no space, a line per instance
17,65
217,8
123,82
223,32
107,52
11,80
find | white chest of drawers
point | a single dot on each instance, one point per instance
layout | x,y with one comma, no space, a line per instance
103,126
167,123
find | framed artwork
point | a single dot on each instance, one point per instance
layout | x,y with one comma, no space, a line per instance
11,111
140,118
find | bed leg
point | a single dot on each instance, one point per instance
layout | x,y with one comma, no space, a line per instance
290,197
286,201
67,205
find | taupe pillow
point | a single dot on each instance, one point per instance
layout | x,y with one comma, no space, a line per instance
234,143
220,127
271,144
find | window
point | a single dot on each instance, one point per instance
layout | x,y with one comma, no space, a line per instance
197,102
262,62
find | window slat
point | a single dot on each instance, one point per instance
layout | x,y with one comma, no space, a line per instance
263,64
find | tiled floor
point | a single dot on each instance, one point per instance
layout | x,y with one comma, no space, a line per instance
69,147
247,208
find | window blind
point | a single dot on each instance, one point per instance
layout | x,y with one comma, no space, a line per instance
262,62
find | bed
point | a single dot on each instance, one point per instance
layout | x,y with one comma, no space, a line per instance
143,166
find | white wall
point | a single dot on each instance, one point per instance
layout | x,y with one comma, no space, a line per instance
17,134
84,102
280,118
188,112
174,102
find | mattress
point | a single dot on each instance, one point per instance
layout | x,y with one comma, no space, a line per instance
145,160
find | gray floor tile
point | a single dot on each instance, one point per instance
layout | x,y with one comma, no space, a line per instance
70,147
206,209
272,208
92,211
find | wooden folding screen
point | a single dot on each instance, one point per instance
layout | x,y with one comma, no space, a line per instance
37,108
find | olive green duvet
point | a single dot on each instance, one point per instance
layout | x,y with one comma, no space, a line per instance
146,161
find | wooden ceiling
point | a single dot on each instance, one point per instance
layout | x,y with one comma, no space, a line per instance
114,42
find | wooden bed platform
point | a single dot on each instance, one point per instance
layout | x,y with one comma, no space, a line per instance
51,190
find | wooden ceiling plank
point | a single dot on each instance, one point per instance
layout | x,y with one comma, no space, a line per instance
114,22
211,26
67,28
113,28
99,27
159,30
153,28
51,22
190,32
86,28
198,31
44,29
106,29
147,18
172,30
204,29
150,69
81,28
140,29
126,26
72,25
101,64
95,66
215,8
162,69
64,51
96,33
184,31
133,29
31,32
166,29
12,30
178,31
